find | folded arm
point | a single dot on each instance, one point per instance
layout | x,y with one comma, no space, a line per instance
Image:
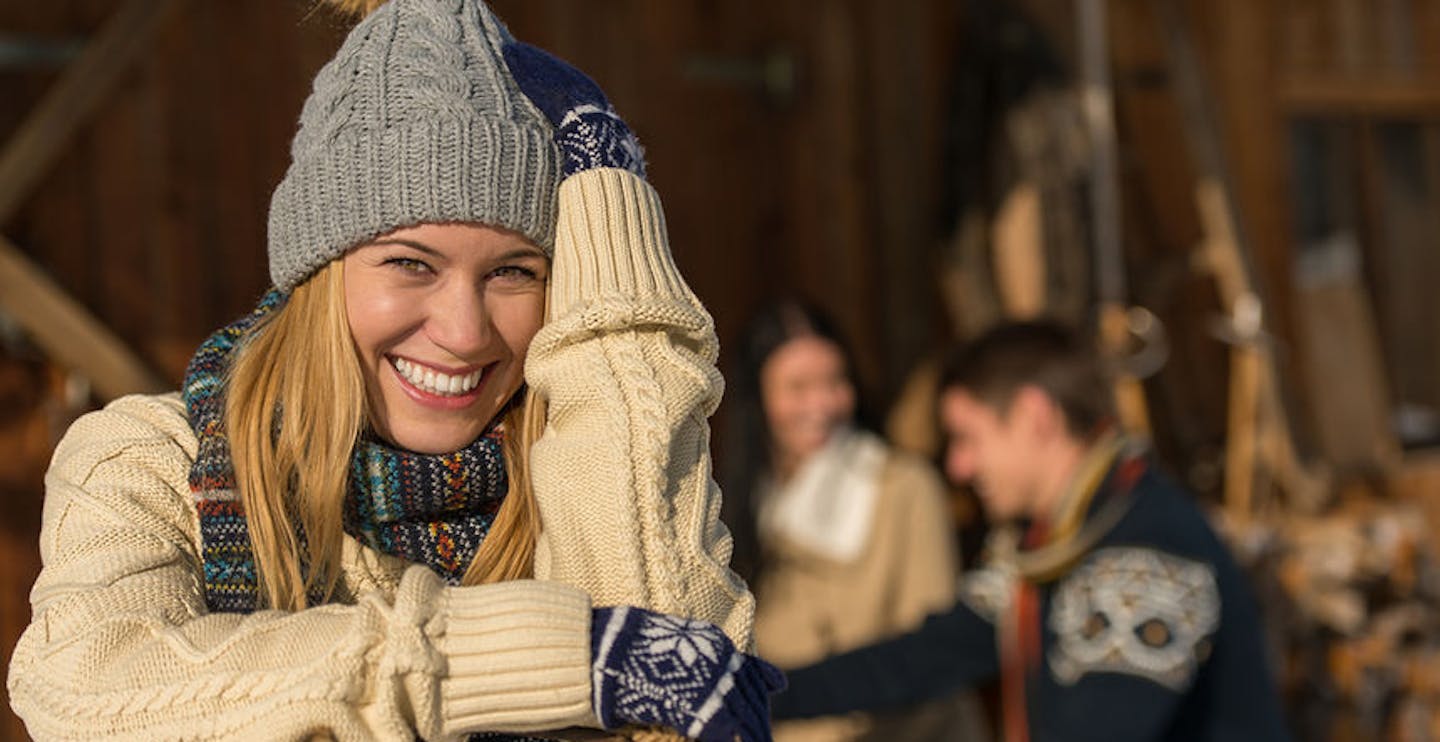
120,644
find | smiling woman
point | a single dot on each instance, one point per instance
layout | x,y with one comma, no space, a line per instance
478,365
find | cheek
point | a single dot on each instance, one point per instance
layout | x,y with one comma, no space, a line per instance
955,464
380,326
375,316
786,406
517,319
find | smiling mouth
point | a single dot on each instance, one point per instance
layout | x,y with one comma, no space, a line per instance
438,383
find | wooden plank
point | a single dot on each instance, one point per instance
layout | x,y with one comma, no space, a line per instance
1342,352
187,278
1242,436
27,396
1097,105
1379,97
1404,260
909,50
1352,21
1259,426
836,262
1430,148
1112,286
66,330
32,149
1253,166
57,241
1397,32
241,196
19,566
125,169
1302,46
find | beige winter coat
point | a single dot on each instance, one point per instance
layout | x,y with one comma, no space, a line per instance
810,607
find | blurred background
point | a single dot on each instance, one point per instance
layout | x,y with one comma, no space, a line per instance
1238,197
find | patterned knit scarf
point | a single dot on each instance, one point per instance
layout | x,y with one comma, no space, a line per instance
427,509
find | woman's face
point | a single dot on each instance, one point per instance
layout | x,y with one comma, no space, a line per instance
442,315
806,394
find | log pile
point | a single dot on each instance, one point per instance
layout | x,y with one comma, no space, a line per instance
1352,605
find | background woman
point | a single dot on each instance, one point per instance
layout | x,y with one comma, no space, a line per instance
843,539
330,531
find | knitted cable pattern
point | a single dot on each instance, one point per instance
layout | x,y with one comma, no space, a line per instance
426,509
650,455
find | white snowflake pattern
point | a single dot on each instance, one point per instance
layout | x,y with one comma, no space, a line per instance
686,639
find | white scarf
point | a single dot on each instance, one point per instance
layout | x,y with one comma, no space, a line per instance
828,505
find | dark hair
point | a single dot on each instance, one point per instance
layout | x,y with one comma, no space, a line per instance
1043,354
747,445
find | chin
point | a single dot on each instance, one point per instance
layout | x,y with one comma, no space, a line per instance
998,513
429,442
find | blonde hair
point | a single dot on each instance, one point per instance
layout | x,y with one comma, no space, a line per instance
292,447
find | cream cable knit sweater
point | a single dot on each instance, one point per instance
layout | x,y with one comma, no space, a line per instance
120,644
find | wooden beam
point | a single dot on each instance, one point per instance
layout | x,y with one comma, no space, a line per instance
32,149
1326,95
67,331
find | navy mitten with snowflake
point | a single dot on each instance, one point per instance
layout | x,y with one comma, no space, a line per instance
652,669
589,132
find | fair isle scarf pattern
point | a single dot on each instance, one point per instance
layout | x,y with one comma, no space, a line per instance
426,509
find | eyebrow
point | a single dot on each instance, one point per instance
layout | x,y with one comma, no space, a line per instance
422,247
519,252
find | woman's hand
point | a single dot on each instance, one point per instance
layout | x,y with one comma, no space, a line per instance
589,132
653,669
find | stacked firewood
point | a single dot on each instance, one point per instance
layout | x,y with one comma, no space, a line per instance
1352,606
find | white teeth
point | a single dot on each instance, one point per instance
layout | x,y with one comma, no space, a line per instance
436,382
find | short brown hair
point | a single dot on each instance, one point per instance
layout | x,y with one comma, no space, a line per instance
1043,354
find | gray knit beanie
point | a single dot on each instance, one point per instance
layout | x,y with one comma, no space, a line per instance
416,119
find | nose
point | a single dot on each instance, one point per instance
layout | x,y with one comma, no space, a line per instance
458,319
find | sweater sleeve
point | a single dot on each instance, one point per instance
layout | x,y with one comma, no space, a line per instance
950,650
626,362
120,644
